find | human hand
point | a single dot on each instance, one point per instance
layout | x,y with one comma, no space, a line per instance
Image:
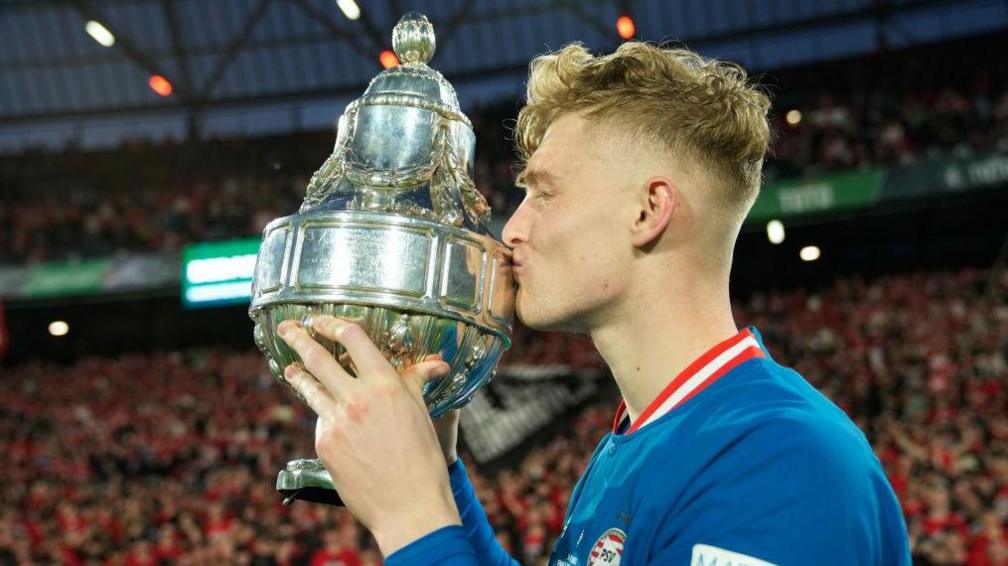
446,426
374,434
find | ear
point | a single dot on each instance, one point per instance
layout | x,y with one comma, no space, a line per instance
659,201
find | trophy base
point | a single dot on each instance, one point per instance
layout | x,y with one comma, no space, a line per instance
308,480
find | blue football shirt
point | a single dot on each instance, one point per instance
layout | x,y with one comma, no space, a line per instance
739,461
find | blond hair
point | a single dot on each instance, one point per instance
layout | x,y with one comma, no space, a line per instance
702,110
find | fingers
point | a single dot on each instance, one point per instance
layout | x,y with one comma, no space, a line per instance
314,393
367,358
315,358
368,361
416,376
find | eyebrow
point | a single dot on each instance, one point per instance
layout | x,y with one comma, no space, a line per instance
537,176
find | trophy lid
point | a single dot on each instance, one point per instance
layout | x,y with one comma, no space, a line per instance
413,42
404,147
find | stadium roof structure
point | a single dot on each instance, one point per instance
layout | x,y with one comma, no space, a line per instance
295,60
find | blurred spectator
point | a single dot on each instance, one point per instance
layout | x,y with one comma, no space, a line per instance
339,549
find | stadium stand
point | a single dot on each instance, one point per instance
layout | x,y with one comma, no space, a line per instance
132,460
149,196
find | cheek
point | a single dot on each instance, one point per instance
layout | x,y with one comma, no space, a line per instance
591,267
581,252
607,256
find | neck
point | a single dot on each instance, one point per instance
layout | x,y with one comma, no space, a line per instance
654,339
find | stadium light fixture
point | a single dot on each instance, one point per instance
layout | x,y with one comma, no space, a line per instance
793,118
59,328
160,85
388,59
775,231
626,27
99,33
349,8
809,253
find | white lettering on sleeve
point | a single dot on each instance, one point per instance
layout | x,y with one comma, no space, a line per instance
706,555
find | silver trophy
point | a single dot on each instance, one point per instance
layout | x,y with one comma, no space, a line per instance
392,234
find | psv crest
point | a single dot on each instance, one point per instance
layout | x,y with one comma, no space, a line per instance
608,549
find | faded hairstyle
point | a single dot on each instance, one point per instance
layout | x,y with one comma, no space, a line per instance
703,111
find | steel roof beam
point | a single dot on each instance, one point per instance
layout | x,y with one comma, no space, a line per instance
337,31
340,33
234,47
380,40
453,24
178,45
124,43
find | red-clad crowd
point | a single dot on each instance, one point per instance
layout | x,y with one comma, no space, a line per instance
169,458
920,362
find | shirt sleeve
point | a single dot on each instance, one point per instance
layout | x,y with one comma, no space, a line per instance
447,545
472,544
786,495
474,519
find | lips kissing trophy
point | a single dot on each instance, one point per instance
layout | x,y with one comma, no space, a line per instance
392,235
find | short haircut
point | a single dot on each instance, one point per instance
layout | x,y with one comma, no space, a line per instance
703,111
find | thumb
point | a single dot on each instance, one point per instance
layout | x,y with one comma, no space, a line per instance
416,376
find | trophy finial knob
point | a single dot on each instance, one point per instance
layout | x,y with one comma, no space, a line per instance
413,38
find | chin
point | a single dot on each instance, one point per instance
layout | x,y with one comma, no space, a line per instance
536,317
529,313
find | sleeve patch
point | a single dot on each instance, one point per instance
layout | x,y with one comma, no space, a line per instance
706,555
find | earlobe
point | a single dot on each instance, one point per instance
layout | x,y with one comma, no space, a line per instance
659,204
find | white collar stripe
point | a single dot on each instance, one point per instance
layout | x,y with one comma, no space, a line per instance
698,379
705,370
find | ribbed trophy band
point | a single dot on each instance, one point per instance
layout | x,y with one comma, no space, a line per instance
417,288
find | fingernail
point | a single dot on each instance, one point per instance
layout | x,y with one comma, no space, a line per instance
284,328
290,372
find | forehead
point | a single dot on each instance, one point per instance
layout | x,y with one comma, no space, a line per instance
567,145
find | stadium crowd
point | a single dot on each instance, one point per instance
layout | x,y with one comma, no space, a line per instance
136,460
157,196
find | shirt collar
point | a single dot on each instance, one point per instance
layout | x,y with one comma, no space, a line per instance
705,370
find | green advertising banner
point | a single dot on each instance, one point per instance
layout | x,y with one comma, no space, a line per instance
945,176
58,279
140,272
831,193
215,273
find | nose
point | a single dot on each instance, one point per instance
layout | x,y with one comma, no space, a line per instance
516,229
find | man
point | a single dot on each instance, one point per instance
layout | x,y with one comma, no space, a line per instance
640,168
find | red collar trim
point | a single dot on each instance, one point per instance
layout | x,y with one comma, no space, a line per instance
706,369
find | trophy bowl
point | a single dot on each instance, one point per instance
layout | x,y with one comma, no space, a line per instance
393,236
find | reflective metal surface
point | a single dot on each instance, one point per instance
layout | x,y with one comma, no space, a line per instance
392,234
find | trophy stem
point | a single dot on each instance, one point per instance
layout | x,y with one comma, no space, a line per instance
308,480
